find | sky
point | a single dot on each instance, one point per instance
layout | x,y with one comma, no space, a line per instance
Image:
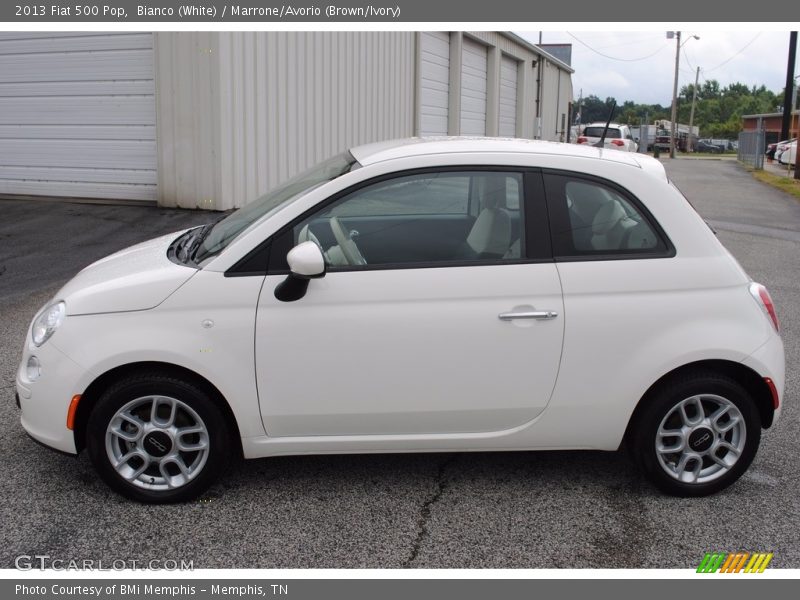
640,65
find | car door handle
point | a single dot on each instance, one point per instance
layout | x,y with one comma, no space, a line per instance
541,315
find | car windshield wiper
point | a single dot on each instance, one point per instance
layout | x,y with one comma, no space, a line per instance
190,242
202,234
197,239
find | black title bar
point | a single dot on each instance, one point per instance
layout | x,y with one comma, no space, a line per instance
410,11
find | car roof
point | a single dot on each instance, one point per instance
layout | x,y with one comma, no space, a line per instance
369,154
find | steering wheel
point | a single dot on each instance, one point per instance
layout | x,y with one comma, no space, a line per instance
346,243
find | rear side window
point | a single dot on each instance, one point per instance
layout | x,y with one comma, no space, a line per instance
592,219
598,132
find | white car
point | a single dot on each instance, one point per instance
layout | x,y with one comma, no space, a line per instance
782,148
618,137
441,295
788,156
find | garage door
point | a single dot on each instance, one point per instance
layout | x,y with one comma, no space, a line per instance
507,126
473,88
434,82
77,115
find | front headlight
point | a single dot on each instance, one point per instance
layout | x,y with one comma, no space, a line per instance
47,322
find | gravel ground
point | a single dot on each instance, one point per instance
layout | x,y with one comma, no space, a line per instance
550,509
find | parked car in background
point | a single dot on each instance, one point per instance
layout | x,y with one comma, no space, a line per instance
442,295
782,148
789,155
724,145
770,151
706,146
618,137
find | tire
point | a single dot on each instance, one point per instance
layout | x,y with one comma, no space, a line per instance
172,457
706,452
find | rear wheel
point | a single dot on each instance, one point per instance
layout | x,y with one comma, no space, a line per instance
156,438
696,435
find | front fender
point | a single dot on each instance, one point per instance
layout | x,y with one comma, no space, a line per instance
206,327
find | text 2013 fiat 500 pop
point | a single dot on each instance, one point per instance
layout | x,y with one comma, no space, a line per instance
416,296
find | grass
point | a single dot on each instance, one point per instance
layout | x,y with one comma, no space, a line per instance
790,185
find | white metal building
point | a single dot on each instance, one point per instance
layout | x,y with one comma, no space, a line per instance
214,119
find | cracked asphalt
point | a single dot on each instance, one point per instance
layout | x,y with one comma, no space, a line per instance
505,510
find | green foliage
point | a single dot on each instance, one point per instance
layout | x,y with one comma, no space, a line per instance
718,112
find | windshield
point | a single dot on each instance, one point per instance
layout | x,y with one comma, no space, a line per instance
225,231
598,132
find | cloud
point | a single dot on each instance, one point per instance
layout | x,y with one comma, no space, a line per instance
608,80
640,65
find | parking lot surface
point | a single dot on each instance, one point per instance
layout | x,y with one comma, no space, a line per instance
541,510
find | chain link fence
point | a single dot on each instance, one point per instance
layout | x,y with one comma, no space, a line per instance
752,146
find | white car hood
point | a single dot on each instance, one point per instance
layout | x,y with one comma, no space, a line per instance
136,278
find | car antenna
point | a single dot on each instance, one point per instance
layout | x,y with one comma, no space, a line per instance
605,131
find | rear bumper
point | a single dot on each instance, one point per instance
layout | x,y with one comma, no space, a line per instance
769,361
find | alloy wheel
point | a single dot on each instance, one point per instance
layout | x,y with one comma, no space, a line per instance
700,439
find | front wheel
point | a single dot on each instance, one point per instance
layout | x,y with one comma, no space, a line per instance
696,435
155,438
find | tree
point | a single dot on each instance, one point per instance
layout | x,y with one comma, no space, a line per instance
710,89
594,109
718,111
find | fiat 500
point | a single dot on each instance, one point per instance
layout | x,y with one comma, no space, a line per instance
441,295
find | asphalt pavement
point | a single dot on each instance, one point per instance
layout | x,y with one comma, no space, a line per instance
503,510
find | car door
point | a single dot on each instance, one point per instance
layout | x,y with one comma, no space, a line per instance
454,323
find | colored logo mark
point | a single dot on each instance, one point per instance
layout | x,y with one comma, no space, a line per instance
734,562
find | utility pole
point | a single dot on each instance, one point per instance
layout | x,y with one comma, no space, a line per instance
787,93
675,94
794,103
646,137
689,148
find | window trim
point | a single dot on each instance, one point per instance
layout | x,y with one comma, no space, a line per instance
532,185
558,216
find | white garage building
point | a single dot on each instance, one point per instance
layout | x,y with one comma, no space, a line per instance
214,119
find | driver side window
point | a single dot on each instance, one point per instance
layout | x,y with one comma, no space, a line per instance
424,218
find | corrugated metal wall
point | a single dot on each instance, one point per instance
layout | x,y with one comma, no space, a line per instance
552,104
281,103
565,98
239,113
188,99
77,115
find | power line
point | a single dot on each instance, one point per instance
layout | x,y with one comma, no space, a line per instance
725,62
688,62
614,57
646,40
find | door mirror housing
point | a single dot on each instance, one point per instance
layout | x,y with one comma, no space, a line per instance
306,262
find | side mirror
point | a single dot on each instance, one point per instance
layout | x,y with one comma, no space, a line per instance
306,262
